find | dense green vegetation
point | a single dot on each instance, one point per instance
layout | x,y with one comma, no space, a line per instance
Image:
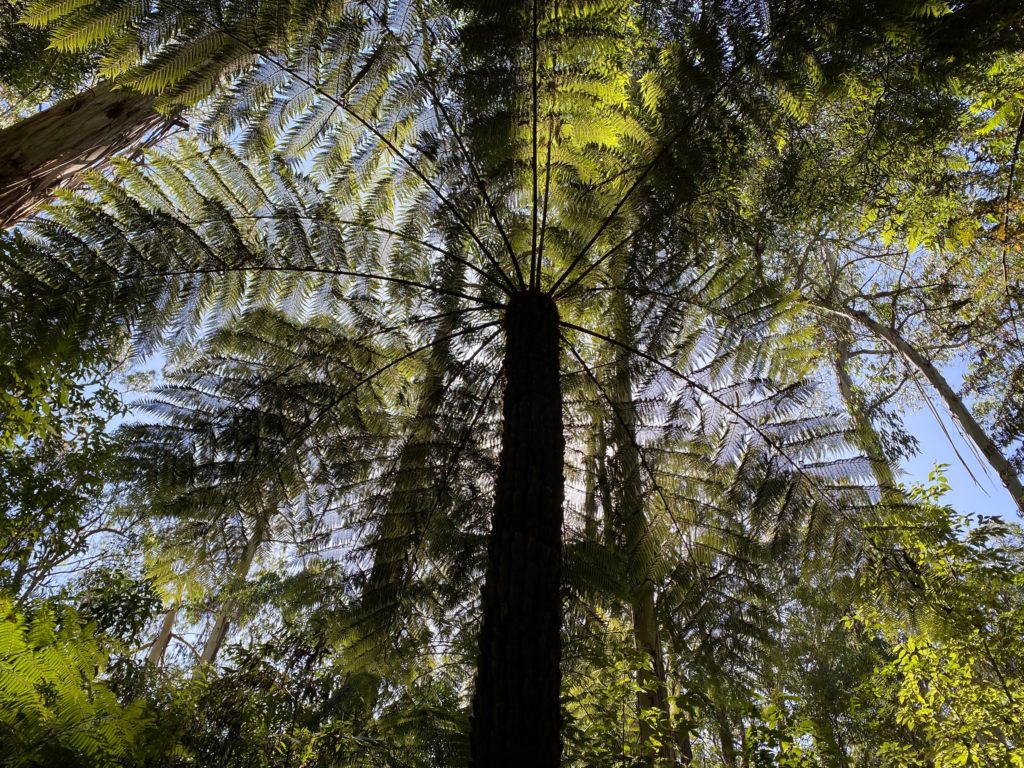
477,383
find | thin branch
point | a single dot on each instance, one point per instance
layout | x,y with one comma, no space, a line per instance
1006,224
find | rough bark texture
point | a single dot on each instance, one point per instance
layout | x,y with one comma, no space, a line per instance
51,148
163,639
956,406
516,713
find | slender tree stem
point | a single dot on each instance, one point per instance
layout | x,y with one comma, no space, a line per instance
163,638
956,406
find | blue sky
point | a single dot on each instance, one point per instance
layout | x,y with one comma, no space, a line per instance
983,493
986,496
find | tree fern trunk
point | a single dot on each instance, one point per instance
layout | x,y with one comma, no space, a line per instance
516,712
725,737
51,148
652,695
403,518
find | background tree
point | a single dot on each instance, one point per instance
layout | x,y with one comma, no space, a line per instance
431,203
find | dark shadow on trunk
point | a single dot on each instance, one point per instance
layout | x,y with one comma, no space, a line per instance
516,712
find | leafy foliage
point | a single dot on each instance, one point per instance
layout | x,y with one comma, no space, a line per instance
728,203
55,706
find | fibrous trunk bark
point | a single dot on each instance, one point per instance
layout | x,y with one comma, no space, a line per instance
956,406
52,147
516,713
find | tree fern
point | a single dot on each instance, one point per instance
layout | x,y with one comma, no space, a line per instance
500,180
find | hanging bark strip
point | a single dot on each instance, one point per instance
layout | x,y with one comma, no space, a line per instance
516,712
51,148
954,403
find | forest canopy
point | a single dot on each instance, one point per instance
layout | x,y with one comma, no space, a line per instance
429,383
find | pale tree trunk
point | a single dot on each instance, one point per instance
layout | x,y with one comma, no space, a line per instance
163,638
652,679
52,147
516,709
220,631
956,406
604,487
591,489
222,623
653,694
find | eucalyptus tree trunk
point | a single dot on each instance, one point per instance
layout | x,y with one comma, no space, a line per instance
956,406
865,433
652,694
516,714
228,608
52,147
163,638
